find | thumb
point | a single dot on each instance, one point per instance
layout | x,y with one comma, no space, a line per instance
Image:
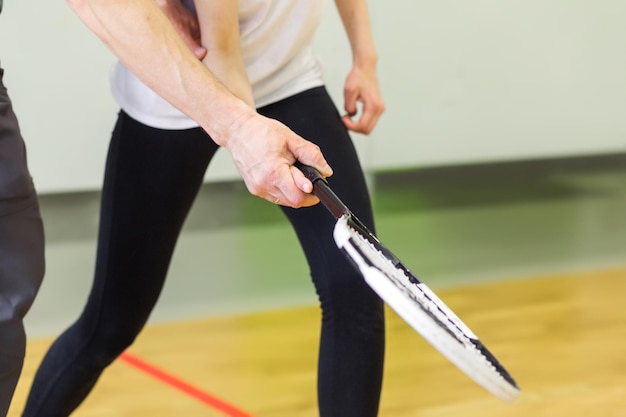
350,98
200,52
193,44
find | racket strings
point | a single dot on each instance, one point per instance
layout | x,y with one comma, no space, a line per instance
421,308
401,277
374,253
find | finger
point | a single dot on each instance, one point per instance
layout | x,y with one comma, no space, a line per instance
350,99
368,119
361,124
304,200
200,52
310,154
349,123
302,182
290,191
365,124
192,41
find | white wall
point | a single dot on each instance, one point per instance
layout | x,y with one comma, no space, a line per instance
56,74
492,80
56,71
464,81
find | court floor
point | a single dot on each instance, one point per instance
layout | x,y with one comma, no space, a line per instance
498,227
560,336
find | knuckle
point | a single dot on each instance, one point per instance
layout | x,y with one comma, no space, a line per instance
297,202
254,190
316,148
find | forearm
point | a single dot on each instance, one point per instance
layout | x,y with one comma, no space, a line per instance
140,35
355,18
264,150
219,27
361,85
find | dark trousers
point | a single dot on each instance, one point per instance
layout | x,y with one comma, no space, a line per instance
152,178
21,248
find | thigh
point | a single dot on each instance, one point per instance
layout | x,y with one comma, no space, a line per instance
21,273
152,178
313,115
352,336
16,188
21,260
21,231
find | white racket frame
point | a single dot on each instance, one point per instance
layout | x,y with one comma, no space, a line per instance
456,341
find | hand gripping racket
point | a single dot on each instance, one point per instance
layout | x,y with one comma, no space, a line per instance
410,298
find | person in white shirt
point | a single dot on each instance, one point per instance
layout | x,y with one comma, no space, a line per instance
141,36
261,51
138,32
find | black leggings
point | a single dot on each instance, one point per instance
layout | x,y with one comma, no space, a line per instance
152,177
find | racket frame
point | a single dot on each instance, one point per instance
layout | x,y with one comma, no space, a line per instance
403,291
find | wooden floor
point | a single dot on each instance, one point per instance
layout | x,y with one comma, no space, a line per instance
563,338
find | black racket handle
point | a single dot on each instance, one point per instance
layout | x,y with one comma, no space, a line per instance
322,190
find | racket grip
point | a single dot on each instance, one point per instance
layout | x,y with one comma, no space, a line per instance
311,173
322,190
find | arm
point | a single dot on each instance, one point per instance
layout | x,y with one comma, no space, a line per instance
140,35
219,27
362,81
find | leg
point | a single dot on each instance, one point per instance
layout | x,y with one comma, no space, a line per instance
21,273
352,339
21,249
152,178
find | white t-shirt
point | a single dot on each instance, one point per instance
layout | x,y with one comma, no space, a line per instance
276,38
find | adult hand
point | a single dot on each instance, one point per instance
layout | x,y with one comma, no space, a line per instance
362,87
185,23
264,152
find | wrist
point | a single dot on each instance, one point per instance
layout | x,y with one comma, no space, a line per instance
365,58
226,127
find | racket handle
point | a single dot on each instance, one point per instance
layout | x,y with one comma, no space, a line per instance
322,190
311,173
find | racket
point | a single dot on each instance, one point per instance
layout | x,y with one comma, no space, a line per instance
410,298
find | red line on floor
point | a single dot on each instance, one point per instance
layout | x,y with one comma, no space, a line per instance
183,386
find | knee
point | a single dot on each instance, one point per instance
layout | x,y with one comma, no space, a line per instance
19,297
109,341
97,344
352,303
22,259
